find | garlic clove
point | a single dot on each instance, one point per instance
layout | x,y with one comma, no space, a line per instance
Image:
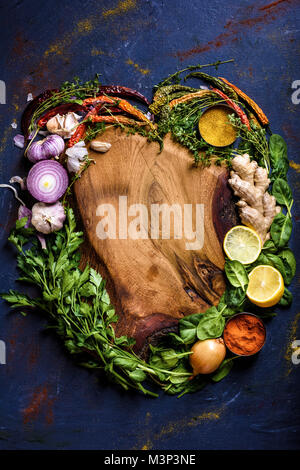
100,146
53,125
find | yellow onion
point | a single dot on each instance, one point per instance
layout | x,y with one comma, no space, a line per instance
207,355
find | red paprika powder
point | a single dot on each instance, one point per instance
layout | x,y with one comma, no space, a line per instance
244,334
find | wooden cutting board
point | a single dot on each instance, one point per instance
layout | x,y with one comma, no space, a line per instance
154,282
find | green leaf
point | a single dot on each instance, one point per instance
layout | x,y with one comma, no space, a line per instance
282,192
286,299
125,363
234,296
272,260
289,262
188,328
223,370
211,324
278,157
236,274
269,247
137,375
281,230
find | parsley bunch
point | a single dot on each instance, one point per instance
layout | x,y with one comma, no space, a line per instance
79,309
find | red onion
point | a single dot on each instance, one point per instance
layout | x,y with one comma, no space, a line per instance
51,146
47,181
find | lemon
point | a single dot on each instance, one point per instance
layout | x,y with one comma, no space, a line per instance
265,287
242,244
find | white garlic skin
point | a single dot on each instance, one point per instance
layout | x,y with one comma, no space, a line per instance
47,218
100,146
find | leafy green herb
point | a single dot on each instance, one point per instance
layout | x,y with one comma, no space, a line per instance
281,230
211,324
283,193
223,370
236,274
278,157
286,299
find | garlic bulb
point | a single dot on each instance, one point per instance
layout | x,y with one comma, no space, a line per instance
47,218
76,155
100,146
51,146
64,125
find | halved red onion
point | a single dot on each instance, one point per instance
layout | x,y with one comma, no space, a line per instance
47,181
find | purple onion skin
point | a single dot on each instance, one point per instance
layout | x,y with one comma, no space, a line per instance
51,146
25,212
43,168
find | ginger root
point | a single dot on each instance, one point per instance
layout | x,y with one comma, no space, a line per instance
250,182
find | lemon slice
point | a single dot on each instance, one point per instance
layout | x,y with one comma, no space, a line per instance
242,244
265,287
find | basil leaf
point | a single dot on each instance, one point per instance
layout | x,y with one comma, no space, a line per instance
236,274
281,230
211,324
282,192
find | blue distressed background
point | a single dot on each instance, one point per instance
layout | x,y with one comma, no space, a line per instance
46,401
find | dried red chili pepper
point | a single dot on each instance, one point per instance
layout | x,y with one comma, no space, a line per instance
122,104
30,109
81,129
123,91
234,106
118,119
61,109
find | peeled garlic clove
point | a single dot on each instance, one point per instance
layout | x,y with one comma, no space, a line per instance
100,146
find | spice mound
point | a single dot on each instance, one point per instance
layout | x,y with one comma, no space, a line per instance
215,128
244,334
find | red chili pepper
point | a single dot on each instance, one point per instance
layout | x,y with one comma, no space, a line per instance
81,129
123,91
61,109
30,109
234,106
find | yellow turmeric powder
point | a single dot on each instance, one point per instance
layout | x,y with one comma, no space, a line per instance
215,128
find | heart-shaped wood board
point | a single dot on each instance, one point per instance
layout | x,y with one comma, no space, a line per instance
153,282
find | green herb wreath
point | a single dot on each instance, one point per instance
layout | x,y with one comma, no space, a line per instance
77,303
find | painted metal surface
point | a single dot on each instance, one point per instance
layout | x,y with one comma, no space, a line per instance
46,400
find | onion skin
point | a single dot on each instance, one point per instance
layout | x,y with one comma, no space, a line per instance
51,146
25,212
207,356
39,173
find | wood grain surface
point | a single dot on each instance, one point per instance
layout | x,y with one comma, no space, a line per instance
154,282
